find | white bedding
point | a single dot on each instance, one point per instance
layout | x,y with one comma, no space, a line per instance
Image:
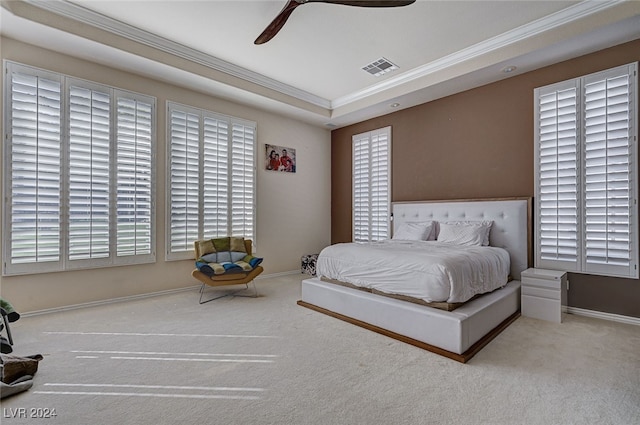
428,270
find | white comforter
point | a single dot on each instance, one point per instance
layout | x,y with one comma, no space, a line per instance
428,270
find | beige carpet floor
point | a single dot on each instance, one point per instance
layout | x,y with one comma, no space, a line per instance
266,360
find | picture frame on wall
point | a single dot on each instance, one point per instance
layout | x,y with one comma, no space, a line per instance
279,158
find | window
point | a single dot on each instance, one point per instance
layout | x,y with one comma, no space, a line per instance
586,174
371,185
78,173
212,178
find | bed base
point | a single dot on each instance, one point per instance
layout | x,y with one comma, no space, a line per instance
458,334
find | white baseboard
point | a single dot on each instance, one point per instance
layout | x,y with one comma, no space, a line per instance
602,315
136,297
109,301
267,276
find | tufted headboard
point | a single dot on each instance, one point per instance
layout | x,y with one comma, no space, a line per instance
511,228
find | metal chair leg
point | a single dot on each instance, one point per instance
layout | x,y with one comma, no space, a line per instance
231,294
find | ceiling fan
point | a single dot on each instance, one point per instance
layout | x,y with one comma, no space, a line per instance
279,21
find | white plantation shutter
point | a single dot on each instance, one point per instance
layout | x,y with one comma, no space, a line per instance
380,187
371,185
557,176
361,201
89,145
609,196
242,180
78,172
134,176
216,178
212,178
33,175
184,183
586,174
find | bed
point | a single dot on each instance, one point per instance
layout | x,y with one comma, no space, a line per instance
476,317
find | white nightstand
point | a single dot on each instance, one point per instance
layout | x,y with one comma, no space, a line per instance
544,293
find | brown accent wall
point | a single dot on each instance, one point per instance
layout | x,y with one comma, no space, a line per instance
478,144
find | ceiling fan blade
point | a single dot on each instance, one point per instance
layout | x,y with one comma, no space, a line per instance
367,3
277,23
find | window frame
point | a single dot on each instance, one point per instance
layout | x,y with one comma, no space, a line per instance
64,263
581,263
231,123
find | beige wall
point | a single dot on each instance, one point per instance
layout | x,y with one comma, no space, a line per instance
293,210
478,144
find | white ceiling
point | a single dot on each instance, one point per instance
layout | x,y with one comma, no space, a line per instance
311,70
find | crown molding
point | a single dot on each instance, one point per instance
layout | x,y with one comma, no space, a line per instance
558,19
80,14
97,20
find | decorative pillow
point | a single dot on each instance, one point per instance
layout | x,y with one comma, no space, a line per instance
209,249
224,257
208,268
252,261
210,258
237,244
413,231
462,234
237,256
484,224
206,247
222,244
246,264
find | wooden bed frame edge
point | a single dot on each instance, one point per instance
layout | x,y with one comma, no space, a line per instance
462,358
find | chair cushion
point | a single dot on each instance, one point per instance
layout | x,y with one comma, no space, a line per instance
227,255
246,264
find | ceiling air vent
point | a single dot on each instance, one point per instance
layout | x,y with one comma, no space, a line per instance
380,67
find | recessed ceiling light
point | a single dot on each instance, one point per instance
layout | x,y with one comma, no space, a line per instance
509,69
395,105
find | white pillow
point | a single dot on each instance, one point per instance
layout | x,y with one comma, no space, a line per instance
462,234
484,224
413,231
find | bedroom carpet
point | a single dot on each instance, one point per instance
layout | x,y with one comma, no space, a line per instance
169,360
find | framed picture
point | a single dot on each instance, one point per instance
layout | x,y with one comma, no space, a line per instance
279,158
